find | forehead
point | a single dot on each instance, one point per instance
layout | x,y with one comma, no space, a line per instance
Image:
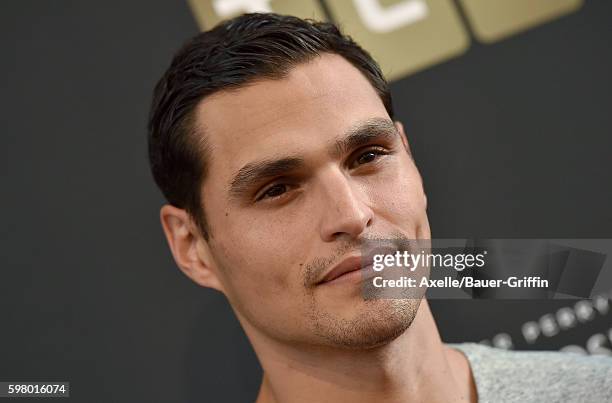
317,101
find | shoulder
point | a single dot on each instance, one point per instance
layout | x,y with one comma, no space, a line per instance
534,376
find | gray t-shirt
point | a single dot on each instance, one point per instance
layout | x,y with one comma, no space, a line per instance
537,376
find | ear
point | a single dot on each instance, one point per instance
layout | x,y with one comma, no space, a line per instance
400,128
189,249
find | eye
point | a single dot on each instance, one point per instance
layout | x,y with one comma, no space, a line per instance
368,156
273,191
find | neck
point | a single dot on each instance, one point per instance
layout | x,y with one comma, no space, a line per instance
416,366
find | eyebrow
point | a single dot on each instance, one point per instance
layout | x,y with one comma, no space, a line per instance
361,134
260,170
364,133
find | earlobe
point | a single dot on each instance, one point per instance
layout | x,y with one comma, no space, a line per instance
186,244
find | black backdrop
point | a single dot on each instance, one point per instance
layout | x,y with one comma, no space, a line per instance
513,140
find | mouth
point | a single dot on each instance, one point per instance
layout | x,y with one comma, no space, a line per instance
353,268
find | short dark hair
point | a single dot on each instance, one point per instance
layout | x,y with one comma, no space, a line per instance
232,54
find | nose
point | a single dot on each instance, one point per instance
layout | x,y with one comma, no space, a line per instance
345,212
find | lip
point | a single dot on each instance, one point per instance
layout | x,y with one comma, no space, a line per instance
349,265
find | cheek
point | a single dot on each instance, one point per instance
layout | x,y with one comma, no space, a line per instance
265,250
263,284
398,195
258,257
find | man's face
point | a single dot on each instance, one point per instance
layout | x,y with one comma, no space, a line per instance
302,171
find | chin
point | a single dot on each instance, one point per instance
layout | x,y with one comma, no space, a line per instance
376,323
